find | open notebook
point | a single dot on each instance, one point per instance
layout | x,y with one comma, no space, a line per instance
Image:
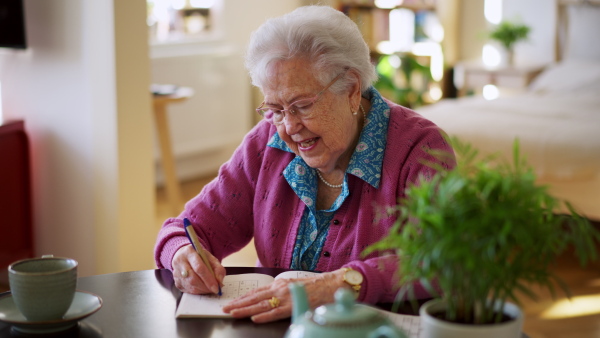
210,306
198,306
411,325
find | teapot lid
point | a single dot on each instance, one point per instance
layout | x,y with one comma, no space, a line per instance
344,312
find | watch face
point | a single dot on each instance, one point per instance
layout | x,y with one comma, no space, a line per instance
354,277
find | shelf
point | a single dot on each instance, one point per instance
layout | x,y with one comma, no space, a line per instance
405,78
167,24
473,75
420,5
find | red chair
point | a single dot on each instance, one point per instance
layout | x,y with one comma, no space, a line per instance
16,234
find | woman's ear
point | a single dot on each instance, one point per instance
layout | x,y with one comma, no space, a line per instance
355,92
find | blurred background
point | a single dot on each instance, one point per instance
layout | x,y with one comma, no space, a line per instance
81,81
92,161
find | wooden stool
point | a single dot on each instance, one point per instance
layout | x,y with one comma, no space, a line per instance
172,186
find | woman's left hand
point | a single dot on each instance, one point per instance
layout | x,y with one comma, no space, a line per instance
255,304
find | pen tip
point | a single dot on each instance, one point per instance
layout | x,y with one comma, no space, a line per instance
220,293
186,222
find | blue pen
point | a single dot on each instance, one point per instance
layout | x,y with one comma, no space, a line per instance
186,224
193,238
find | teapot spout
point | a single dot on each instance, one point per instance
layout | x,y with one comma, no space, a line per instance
300,301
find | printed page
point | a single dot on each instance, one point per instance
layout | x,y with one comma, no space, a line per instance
194,306
411,325
296,274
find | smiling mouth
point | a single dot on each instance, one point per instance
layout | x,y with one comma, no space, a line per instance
308,143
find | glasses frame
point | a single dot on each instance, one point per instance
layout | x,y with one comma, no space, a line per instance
291,106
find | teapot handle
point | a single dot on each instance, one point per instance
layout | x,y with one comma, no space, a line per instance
386,331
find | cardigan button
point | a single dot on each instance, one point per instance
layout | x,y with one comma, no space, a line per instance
336,222
326,254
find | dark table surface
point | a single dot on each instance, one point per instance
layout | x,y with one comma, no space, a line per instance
141,304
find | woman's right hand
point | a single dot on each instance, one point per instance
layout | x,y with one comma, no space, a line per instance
191,275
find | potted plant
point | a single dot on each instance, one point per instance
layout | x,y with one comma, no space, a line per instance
404,84
476,235
508,34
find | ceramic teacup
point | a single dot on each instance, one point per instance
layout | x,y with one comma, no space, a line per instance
43,288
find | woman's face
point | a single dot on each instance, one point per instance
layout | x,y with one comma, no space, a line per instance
325,140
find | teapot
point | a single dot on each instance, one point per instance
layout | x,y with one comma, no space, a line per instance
344,318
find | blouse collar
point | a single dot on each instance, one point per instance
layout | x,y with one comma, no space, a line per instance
367,160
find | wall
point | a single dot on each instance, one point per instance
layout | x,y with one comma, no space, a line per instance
82,89
471,29
450,18
540,15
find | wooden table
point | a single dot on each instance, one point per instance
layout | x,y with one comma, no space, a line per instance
160,103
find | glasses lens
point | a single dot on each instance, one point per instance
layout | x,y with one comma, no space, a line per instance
303,108
272,115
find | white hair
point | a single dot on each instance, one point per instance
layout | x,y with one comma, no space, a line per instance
326,37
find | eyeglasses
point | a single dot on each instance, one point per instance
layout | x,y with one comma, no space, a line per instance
300,108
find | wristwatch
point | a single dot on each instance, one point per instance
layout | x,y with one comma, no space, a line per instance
353,278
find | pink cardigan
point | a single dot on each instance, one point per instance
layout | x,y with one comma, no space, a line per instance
250,198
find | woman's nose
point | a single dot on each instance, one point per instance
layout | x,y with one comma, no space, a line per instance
292,123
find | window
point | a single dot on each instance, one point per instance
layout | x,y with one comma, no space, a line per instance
172,20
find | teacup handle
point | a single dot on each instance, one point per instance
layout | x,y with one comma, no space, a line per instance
47,256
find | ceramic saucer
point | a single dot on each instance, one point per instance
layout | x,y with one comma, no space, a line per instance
84,304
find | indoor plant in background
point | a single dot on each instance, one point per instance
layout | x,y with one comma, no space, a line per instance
508,34
403,79
481,233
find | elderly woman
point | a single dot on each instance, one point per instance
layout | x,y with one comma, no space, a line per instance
310,181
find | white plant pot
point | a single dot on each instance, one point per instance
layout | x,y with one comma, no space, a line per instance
432,327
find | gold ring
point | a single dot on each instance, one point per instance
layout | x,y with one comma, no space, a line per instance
184,273
274,302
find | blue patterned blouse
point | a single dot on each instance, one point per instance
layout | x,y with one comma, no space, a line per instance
365,163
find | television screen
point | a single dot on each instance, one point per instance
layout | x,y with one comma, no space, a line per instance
12,24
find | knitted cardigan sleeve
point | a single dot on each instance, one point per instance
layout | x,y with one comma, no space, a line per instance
222,213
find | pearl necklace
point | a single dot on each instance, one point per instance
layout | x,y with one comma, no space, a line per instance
327,183
335,186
